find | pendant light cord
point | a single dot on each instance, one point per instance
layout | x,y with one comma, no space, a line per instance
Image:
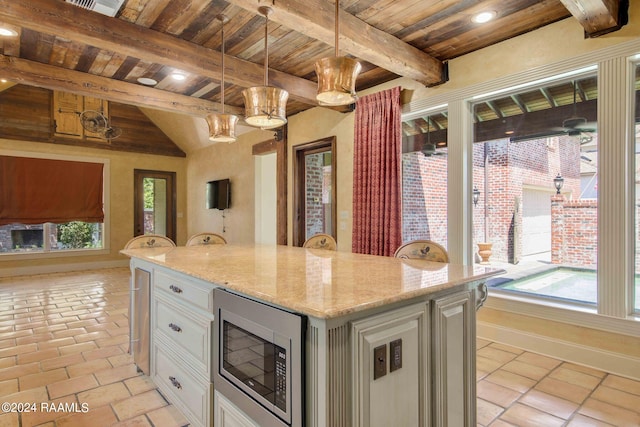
222,19
266,48
337,35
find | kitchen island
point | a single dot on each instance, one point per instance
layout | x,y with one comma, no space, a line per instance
388,341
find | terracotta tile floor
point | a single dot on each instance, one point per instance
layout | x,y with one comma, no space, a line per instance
64,341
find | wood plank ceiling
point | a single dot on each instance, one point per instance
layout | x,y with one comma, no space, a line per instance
61,46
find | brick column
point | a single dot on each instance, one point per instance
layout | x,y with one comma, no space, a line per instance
557,228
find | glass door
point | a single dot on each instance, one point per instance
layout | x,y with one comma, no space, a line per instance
315,192
155,203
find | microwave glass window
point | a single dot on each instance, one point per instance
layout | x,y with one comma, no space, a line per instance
259,364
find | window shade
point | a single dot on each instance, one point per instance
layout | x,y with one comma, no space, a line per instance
35,191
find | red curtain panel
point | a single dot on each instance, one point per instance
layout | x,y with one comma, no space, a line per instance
377,165
35,191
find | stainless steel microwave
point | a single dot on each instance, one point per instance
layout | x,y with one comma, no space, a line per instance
259,359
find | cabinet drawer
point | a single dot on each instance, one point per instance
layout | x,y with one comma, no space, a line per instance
191,333
183,289
182,389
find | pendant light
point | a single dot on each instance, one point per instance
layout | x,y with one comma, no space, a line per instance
222,127
337,75
265,106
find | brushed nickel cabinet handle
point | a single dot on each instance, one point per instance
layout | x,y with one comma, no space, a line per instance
175,382
175,289
175,327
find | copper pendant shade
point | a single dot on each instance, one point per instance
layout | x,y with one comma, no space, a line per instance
265,106
222,127
337,76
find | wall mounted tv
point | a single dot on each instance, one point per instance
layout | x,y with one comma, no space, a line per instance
219,194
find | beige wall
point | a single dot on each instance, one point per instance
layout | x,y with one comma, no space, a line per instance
220,161
235,161
120,198
319,123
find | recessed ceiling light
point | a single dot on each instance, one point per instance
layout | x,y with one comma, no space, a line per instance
483,17
147,81
178,76
3,80
8,32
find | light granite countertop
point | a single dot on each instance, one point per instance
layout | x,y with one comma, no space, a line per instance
316,282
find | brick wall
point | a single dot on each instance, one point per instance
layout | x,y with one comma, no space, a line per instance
424,197
510,167
314,214
574,232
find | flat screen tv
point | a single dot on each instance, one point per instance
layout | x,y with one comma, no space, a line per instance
219,194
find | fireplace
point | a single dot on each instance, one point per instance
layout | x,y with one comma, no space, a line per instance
26,238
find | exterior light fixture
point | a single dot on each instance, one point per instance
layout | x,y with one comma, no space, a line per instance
222,127
337,75
558,182
484,17
476,195
265,106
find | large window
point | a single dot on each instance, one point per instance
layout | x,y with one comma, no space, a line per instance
424,177
45,210
535,175
47,237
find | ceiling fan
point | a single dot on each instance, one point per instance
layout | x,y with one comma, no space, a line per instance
95,122
429,148
576,125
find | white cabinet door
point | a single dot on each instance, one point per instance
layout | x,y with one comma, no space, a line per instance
228,415
454,361
400,396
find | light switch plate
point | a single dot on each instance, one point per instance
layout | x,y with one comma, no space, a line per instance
395,353
379,361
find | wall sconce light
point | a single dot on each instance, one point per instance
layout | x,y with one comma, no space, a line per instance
476,195
558,181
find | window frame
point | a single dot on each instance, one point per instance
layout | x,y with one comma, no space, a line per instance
615,311
106,225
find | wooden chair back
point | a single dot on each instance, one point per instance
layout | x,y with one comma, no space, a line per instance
423,249
206,239
149,241
321,241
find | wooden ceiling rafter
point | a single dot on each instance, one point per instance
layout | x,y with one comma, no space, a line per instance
32,73
316,19
139,42
598,17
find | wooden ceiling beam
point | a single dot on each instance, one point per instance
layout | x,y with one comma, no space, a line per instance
82,26
598,17
32,73
316,19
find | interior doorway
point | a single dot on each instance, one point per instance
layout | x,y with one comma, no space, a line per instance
314,189
154,197
265,169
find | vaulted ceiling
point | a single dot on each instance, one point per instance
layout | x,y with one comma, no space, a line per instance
61,46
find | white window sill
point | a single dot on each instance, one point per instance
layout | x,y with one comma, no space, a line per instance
53,254
572,313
